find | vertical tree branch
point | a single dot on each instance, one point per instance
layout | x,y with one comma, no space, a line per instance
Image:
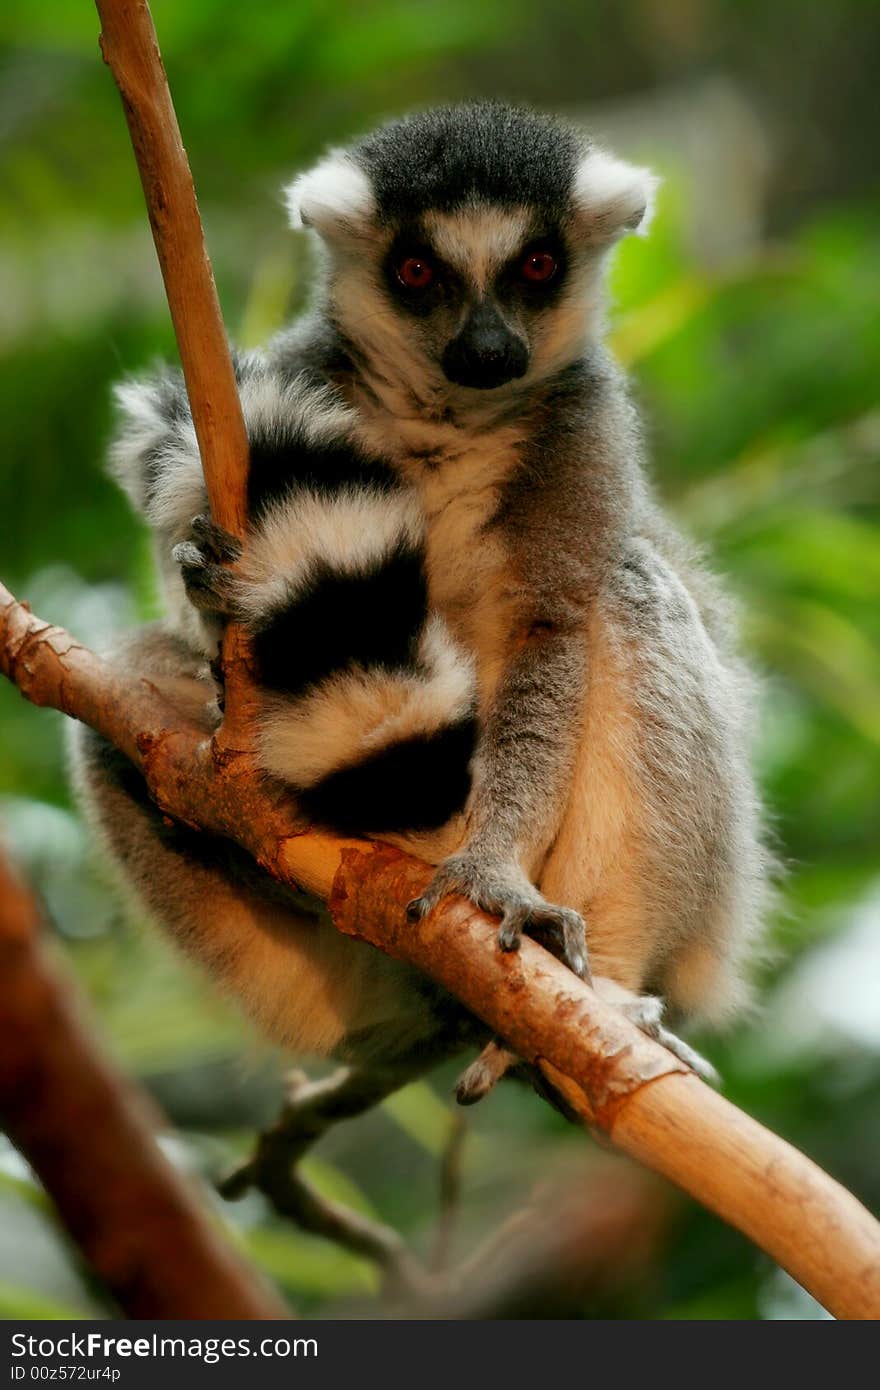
90,1137
131,50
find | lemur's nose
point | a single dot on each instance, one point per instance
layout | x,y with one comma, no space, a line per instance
485,353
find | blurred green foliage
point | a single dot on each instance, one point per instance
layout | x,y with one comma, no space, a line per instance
757,367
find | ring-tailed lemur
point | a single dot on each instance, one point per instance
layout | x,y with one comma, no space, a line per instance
449,394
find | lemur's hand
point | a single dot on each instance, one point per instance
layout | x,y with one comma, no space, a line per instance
202,559
500,887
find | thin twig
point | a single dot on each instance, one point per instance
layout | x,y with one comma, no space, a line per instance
450,1191
272,1170
569,1245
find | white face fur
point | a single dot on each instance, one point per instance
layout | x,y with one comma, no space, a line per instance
480,301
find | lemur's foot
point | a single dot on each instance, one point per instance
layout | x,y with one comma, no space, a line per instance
203,559
646,1012
503,889
217,543
477,1080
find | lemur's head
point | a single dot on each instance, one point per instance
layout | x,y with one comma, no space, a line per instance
466,243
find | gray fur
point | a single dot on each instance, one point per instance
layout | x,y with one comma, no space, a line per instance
612,781
443,157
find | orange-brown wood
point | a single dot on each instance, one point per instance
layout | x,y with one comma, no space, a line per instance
131,50
757,1182
90,1136
610,1074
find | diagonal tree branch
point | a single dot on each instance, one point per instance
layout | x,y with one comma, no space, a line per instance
609,1073
90,1136
614,1077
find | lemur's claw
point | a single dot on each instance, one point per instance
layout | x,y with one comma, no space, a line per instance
513,924
510,934
214,541
477,1080
202,560
567,935
503,889
646,1012
689,1055
442,885
206,583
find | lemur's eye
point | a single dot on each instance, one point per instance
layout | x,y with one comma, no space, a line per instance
415,272
538,267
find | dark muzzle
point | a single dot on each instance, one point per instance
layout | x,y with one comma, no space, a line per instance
485,353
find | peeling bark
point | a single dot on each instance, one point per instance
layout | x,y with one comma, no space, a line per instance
614,1077
610,1074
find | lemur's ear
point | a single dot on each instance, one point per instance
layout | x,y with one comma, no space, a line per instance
612,198
334,197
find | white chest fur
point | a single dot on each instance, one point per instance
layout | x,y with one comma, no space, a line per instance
458,472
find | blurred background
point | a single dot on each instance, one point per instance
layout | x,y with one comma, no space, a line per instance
749,321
